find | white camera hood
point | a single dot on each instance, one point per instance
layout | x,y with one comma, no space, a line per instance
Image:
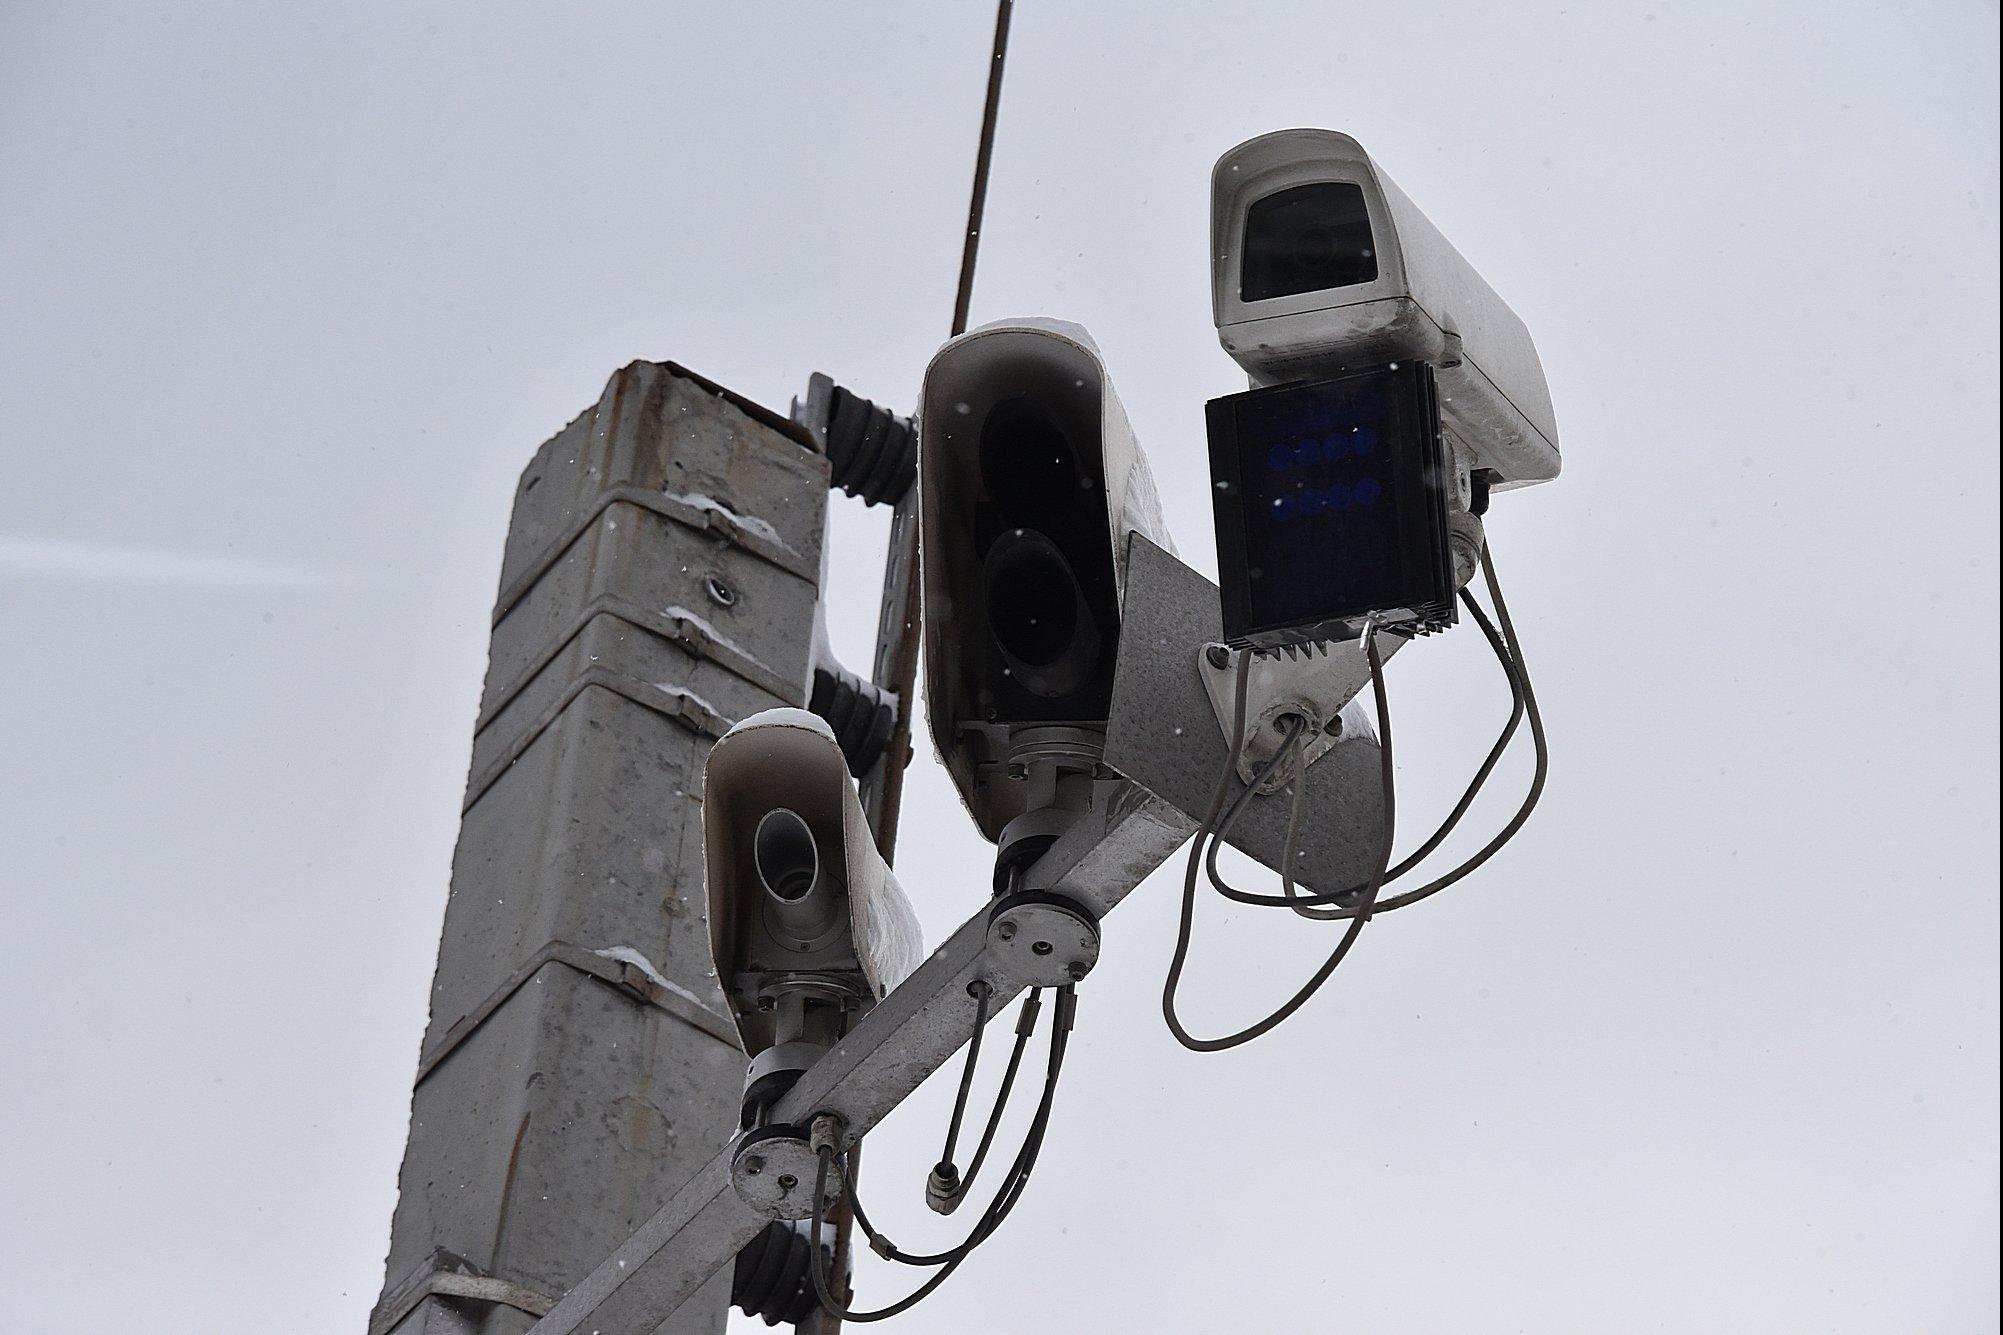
1425,303
789,758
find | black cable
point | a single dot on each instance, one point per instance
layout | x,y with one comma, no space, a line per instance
1004,1199
1241,803
982,991
1520,678
1304,904
1321,975
991,1219
1025,1026
1538,775
1537,738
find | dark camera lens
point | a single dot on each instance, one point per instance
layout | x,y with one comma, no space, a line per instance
1306,239
1038,615
1030,468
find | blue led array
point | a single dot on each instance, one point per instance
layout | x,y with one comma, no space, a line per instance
1306,502
1313,450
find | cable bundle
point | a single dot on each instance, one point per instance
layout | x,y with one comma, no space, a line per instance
1004,1200
1357,904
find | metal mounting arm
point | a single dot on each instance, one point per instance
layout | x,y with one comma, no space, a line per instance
910,1034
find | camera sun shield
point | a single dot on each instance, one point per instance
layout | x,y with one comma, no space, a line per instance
1321,266
1330,500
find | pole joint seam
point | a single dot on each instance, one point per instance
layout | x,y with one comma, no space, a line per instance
635,980
712,518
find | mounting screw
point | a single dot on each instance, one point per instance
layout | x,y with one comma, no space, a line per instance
1219,656
1006,931
787,1181
1078,972
754,1165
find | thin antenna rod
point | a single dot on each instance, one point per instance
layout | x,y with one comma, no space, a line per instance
978,204
897,649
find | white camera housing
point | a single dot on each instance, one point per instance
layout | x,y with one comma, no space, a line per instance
1395,289
1056,367
799,900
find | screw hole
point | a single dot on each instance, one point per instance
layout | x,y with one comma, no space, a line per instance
1040,947
720,593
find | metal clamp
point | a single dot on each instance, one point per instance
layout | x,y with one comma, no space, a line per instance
773,1169
448,1275
1040,939
1317,683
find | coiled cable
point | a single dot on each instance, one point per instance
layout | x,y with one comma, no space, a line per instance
991,1219
1341,904
1359,916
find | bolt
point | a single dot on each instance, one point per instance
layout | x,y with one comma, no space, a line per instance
1018,772
787,1181
753,1166
1078,972
1041,948
1006,931
1219,656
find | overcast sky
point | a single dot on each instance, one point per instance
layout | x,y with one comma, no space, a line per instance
288,296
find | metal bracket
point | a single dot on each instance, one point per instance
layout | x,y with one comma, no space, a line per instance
1318,682
1038,939
635,979
449,1275
907,1036
773,1169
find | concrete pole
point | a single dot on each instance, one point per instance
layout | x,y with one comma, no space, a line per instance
659,584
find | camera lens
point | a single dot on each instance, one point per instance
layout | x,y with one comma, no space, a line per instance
1029,466
1038,615
1306,239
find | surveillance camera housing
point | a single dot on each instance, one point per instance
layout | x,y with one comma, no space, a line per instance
1030,480
798,897
1320,265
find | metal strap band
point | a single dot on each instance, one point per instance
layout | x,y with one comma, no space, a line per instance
450,1276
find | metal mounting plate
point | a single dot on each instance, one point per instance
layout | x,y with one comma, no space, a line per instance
1319,682
773,1171
1042,940
1164,736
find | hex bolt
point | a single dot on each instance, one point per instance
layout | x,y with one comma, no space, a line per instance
1219,656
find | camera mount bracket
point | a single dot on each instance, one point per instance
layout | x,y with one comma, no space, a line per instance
773,1168
1318,683
1038,939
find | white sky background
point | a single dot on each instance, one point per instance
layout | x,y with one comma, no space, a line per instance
288,297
